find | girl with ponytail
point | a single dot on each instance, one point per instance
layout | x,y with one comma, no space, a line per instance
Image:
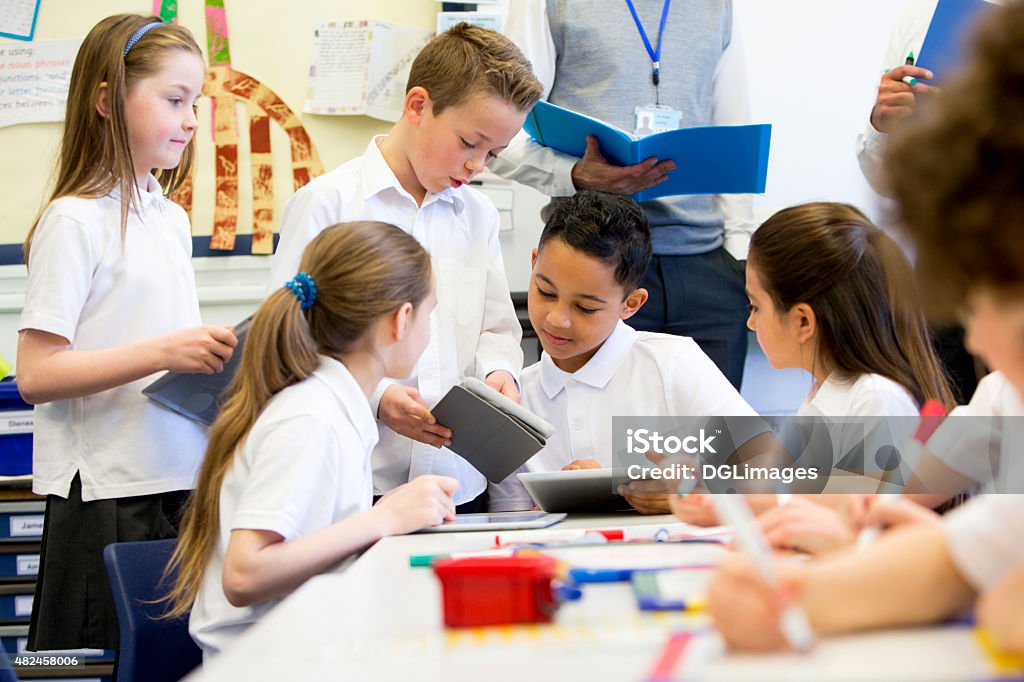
285,490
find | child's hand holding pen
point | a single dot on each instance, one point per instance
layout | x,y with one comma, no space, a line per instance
889,511
746,610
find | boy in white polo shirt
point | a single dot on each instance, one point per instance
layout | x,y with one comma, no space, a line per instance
468,93
586,271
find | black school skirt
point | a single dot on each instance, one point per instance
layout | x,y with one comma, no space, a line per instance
73,607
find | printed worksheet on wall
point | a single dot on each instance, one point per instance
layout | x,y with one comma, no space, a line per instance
18,18
361,67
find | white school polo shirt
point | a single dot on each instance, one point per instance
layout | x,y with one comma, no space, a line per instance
87,286
304,466
632,374
982,439
984,538
870,398
473,330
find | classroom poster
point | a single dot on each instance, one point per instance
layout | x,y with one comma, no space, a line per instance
34,80
494,22
18,18
361,68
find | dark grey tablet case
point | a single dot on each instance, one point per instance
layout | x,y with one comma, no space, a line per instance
197,396
494,442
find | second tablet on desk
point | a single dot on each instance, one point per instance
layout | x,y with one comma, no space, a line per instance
577,490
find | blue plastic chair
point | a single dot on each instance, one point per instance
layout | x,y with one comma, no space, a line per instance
152,648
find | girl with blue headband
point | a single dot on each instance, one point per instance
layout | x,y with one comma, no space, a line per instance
285,489
111,301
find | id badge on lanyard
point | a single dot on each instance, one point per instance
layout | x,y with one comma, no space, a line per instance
654,118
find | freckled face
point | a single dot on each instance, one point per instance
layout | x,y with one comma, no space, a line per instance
161,112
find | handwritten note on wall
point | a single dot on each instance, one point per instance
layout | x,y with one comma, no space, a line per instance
34,80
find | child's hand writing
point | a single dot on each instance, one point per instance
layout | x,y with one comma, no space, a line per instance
424,501
806,526
403,410
745,610
199,350
504,383
885,513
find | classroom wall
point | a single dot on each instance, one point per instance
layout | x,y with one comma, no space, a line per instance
813,66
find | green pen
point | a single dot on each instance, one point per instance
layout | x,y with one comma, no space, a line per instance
421,560
910,80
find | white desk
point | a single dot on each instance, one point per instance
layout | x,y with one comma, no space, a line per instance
381,620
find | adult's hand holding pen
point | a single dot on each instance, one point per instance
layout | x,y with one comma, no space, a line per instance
895,100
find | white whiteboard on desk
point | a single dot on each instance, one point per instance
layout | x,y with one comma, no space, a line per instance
813,68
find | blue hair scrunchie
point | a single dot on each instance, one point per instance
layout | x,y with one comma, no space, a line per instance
138,35
304,288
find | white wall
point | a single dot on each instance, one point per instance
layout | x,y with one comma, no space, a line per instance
814,66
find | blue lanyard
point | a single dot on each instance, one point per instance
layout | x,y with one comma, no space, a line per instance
654,53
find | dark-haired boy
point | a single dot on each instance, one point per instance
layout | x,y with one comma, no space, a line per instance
468,93
585,282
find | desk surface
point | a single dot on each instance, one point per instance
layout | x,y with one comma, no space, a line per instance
379,619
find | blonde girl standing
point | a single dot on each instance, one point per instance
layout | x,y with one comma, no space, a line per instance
111,300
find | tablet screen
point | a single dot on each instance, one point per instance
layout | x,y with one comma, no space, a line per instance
497,521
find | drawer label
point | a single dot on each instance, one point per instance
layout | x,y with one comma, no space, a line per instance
23,605
27,525
16,422
28,564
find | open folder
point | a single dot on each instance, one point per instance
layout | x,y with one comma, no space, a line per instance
493,433
709,159
198,396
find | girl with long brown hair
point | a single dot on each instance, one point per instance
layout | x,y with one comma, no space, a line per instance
832,294
111,300
284,492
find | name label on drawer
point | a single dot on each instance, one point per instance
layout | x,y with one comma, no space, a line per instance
26,525
16,422
23,605
28,564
